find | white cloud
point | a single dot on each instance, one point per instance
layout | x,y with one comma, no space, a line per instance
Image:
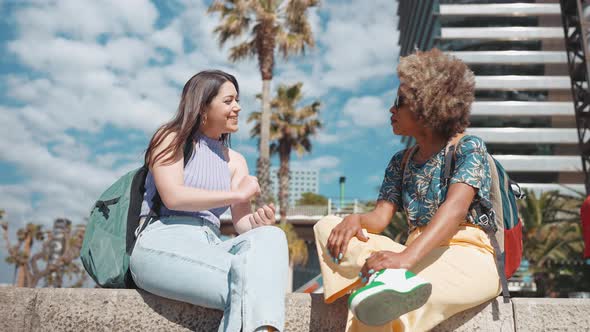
16,200
325,138
66,183
361,42
85,85
128,54
368,111
169,37
91,65
323,162
86,19
59,54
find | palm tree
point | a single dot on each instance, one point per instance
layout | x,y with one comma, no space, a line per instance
290,130
552,227
271,24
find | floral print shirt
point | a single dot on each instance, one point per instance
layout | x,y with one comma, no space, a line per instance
420,191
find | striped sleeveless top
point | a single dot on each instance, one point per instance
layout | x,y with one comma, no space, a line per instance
207,169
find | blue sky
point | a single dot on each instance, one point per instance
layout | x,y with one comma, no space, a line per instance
84,84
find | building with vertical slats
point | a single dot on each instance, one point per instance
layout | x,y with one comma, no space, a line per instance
523,109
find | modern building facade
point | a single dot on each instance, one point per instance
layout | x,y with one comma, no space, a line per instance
301,180
523,109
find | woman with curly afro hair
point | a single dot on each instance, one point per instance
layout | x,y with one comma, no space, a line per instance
447,265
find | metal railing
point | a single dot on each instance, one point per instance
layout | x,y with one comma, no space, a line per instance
575,28
317,211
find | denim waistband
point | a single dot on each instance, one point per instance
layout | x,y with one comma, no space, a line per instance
183,220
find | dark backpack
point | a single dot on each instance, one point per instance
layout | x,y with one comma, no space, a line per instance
498,216
110,232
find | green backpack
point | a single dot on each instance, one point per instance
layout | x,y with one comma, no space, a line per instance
110,233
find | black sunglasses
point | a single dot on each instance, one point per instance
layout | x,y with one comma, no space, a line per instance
399,101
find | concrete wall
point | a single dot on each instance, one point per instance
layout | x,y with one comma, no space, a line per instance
44,309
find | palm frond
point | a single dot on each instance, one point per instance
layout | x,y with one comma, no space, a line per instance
242,51
220,7
295,13
235,19
254,116
290,44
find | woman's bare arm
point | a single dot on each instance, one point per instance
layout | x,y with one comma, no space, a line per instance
441,228
378,219
444,224
175,195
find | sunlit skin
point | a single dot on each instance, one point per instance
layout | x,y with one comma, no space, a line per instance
220,117
441,228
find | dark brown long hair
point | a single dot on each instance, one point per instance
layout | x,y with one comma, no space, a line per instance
197,95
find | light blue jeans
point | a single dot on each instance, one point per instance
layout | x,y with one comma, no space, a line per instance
183,258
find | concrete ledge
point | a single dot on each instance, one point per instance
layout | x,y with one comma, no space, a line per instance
552,314
44,309
80,309
493,316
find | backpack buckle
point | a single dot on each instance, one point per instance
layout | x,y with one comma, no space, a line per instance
103,208
484,219
487,221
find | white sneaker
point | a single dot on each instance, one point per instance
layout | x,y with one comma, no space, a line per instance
389,294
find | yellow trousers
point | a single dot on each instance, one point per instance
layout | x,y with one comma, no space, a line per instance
462,273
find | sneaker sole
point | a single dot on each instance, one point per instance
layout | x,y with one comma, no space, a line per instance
386,305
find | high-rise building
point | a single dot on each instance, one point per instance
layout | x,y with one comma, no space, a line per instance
301,180
523,109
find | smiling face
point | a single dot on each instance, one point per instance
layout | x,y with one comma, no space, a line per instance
403,120
221,116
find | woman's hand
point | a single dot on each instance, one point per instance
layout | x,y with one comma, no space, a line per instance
380,260
341,235
263,216
247,188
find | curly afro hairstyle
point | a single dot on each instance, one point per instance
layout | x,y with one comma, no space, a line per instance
439,89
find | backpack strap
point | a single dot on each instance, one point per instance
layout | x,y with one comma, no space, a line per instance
450,158
499,255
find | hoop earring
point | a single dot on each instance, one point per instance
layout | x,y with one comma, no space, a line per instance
204,121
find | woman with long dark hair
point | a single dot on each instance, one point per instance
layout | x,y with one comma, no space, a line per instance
180,255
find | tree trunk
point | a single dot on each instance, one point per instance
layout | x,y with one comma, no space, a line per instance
265,46
284,155
263,164
22,279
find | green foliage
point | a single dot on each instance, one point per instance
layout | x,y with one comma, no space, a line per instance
552,227
298,254
552,235
312,199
